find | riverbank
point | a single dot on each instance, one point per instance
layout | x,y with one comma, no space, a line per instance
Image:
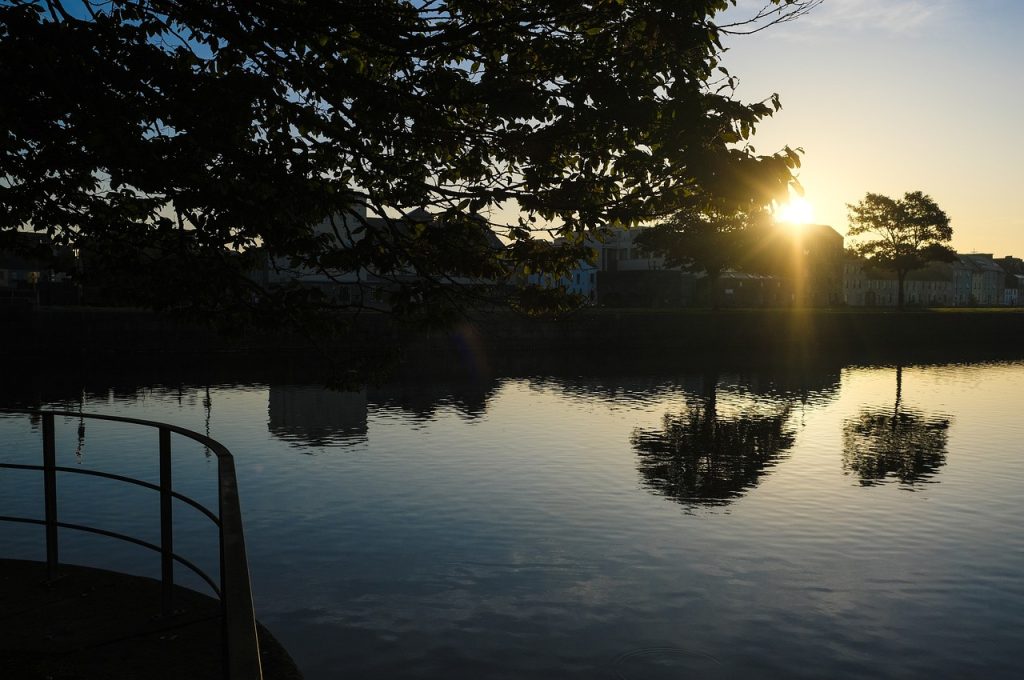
68,331
775,332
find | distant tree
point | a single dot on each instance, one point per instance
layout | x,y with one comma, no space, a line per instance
902,235
709,241
182,131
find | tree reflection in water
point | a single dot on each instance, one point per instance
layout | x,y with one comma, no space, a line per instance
700,457
905,445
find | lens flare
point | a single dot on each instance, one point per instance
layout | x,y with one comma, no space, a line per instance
796,211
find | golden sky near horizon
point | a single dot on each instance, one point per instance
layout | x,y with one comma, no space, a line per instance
891,96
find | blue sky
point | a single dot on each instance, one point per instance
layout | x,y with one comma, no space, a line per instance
891,96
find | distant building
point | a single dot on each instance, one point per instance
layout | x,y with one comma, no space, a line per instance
865,285
627,276
1011,265
815,270
988,279
1013,293
962,287
620,252
581,280
740,289
975,279
806,265
26,262
854,280
361,286
314,416
33,270
18,271
1014,281
931,286
646,288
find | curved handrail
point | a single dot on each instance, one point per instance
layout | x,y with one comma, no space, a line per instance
241,642
120,478
214,445
121,537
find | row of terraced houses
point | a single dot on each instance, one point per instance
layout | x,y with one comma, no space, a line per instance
819,272
973,279
815,271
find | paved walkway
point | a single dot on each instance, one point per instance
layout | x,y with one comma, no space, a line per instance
92,623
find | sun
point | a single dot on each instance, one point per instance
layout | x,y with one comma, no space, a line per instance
796,211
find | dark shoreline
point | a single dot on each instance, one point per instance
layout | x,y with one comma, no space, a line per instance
117,329
70,340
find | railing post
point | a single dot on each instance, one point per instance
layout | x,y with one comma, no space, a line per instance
50,495
166,525
241,641
225,590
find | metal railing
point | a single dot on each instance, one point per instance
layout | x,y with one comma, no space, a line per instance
240,641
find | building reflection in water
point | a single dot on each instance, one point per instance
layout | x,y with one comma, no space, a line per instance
703,457
422,399
315,416
305,415
899,444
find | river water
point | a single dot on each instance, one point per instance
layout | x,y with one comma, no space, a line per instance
845,522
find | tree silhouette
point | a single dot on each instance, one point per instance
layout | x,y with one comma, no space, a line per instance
906,445
708,240
699,457
199,137
904,235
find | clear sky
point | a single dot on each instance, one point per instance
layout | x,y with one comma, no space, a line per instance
891,96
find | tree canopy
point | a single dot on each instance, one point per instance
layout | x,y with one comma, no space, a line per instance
900,235
204,136
712,240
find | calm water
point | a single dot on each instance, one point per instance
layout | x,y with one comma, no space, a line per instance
846,523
